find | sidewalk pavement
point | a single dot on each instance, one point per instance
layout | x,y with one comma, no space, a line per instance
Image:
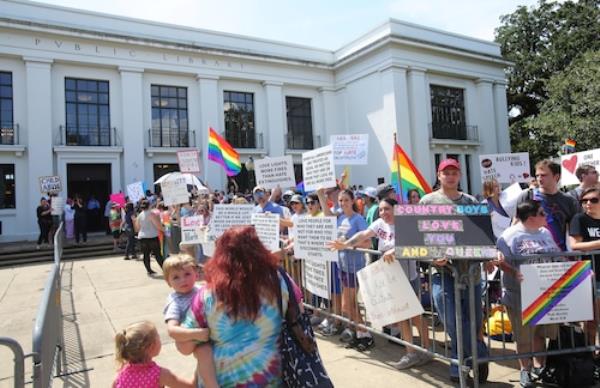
102,296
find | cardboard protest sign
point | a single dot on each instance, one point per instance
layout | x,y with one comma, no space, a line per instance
226,216
318,169
190,233
387,294
452,231
57,206
273,172
118,198
570,162
509,197
50,184
135,191
316,277
189,161
267,228
506,168
174,191
556,292
311,235
350,149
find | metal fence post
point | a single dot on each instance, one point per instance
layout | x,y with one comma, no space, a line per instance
19,360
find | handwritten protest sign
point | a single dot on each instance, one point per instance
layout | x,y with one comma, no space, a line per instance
453,231
189,161
318,169
118,198
57,205
191,232
135,191
570,162
556,292
174,191
50,184
505,168
350,149
311,235
316,277
267,228
226,216
387,294
273,172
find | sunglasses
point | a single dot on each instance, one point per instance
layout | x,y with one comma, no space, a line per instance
310,202
594,200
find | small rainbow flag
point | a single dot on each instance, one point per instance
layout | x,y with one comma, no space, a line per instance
223,153
556,292
410,177
571,143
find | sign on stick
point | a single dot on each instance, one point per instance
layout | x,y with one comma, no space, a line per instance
50,184
189,161
174,191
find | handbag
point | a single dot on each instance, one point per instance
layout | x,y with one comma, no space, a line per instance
300,359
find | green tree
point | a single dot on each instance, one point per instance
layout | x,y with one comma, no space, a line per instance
542,41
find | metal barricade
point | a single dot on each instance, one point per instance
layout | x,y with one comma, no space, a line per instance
19,360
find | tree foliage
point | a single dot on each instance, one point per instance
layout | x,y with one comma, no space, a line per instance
542,41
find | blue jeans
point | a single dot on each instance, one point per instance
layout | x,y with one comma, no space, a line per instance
444,301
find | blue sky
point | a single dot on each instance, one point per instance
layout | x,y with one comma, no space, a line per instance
327,23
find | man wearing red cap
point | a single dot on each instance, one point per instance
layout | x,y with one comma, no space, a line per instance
449,175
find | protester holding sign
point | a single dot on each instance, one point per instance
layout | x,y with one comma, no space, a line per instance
449,175
44,219
500,218
558,206
585,236
264,205
529,237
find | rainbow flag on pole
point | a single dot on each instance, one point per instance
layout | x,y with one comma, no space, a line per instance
221,152
556,292
405,176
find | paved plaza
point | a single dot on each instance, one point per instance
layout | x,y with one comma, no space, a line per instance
101,296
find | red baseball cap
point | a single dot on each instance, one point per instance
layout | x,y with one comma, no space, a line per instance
448,163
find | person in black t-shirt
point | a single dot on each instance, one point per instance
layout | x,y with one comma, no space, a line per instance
44,219
585,236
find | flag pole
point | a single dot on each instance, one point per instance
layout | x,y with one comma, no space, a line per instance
399,195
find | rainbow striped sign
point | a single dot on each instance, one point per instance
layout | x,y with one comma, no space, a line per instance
554,294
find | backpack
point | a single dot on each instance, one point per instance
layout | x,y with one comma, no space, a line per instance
498,326
573,369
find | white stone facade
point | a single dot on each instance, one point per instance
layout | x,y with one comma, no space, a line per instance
378,84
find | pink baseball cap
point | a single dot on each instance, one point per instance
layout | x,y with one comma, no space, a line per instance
448,163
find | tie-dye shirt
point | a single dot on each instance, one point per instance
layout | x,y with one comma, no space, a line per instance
246,353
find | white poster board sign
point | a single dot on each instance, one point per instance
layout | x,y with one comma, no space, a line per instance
387,294
318,169
57,205
350,149
135,191
556,292
174,191
191,230
509,197
273,172
189,161
50,184
312,233
570,162
506,168
226,216
316,277
267,228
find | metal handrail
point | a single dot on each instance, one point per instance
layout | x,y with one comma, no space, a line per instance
19,360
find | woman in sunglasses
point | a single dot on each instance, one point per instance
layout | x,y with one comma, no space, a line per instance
585,236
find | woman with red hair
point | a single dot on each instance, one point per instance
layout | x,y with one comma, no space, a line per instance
239,303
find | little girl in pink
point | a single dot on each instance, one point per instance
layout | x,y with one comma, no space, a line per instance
136,346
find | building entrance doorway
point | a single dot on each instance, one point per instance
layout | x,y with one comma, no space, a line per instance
91,182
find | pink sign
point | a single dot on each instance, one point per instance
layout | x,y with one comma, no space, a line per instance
118,198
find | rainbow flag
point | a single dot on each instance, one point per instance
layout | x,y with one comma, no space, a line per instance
556,292
571,143
409,177
223,153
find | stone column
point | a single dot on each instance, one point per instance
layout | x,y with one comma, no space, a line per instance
486,118
40,157
274,135
396,115
133,135
330,124
501,117
211,103
419,97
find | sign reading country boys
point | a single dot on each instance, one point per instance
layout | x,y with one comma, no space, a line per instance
436,231
505,168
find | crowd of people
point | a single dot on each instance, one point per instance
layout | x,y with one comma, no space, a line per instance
239,295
